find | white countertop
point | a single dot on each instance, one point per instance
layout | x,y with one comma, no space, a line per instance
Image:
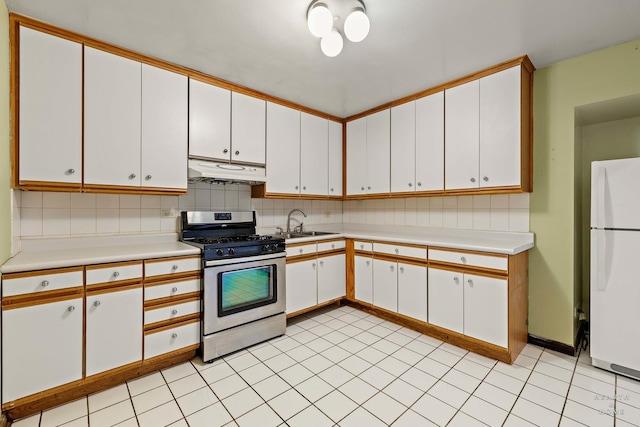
509,243
38,254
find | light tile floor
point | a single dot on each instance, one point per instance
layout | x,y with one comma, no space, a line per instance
343,367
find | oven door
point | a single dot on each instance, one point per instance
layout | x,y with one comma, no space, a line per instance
242,290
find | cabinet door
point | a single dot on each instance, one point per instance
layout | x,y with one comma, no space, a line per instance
331,277
462,121
164,128
50,108
446,299
363,278
209,121
41,347
403,148
356,157
283,149
385,284
301,285
430,142
248,116
379,152
114,330
486,309
335,159
314,155
500,128
412,291
112,99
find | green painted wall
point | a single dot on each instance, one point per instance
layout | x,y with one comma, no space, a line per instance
554,279
5,137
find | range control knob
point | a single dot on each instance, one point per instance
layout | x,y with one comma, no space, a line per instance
231,251
267,248
219,252
275,246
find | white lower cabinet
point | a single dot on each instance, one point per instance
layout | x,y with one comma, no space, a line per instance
41,347
114,330
301,285
363,281
476,306
332,277
412,291
385,284
164,341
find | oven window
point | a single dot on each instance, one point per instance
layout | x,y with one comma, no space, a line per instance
242,290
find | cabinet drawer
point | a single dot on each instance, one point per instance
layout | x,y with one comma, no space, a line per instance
494,262
301,250
331,246
359,245
171,266
40,281
171,312
165,341
400,250
165,290
108,273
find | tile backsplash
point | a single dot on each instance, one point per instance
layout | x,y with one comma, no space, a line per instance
52,214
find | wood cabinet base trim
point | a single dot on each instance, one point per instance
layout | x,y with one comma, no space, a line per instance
171,323
37,298
49,186
174,299
29,405
337,301
115,189
470,269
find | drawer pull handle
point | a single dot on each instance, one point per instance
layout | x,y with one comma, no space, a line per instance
174,336
301,250
362,247
463,259
174,267
96,304
174,312
70,309
44,283
333,246
116,274
174,289
397,251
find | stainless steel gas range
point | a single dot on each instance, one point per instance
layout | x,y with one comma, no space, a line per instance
243,298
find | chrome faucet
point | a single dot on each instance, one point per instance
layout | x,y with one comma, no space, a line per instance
289,218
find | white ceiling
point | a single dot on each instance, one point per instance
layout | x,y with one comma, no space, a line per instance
413,44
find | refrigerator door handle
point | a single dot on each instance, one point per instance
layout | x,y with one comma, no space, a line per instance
601,236
601,197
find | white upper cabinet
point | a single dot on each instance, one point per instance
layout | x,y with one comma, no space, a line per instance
50,109
164,128
335,158
112,110
500,128
314,154
429,154
462,121
283,149
403,148
248,117
209,121
356,156
378,152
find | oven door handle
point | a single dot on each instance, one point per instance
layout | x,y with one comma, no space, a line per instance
245,259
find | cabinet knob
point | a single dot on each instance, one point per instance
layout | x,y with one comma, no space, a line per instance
96,304
44,283
332,190
473,180
132,176
470,282
401,269
362,247
321,263
174,336
419,184
333,246
463,260
410,185
369,188
362,188
70,309
296,187
391,267
313,265
456,280
237,152
301,250
71,171
397,251
174,289
304,188
174,267
225,151
148,177
116,274
368,263
174,312
485,179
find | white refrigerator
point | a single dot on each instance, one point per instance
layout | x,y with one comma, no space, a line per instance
615,266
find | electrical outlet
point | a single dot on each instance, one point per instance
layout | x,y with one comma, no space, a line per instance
169,213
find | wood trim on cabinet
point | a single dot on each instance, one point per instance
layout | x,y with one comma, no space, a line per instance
171,323
332,252
468,269
159,360
315,307
397,258
107,288
112,265
301,258
116,189
32,273
150,281
350,269
518,301
47,186
171,326
172,258
468,251
14,100
173,299
39,298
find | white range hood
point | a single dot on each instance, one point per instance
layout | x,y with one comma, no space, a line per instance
219,172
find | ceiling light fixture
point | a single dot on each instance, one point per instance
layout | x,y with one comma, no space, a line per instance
320,21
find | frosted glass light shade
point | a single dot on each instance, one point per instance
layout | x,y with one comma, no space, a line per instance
319,20
331,44
356,26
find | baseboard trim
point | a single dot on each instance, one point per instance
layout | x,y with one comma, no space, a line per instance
552,345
